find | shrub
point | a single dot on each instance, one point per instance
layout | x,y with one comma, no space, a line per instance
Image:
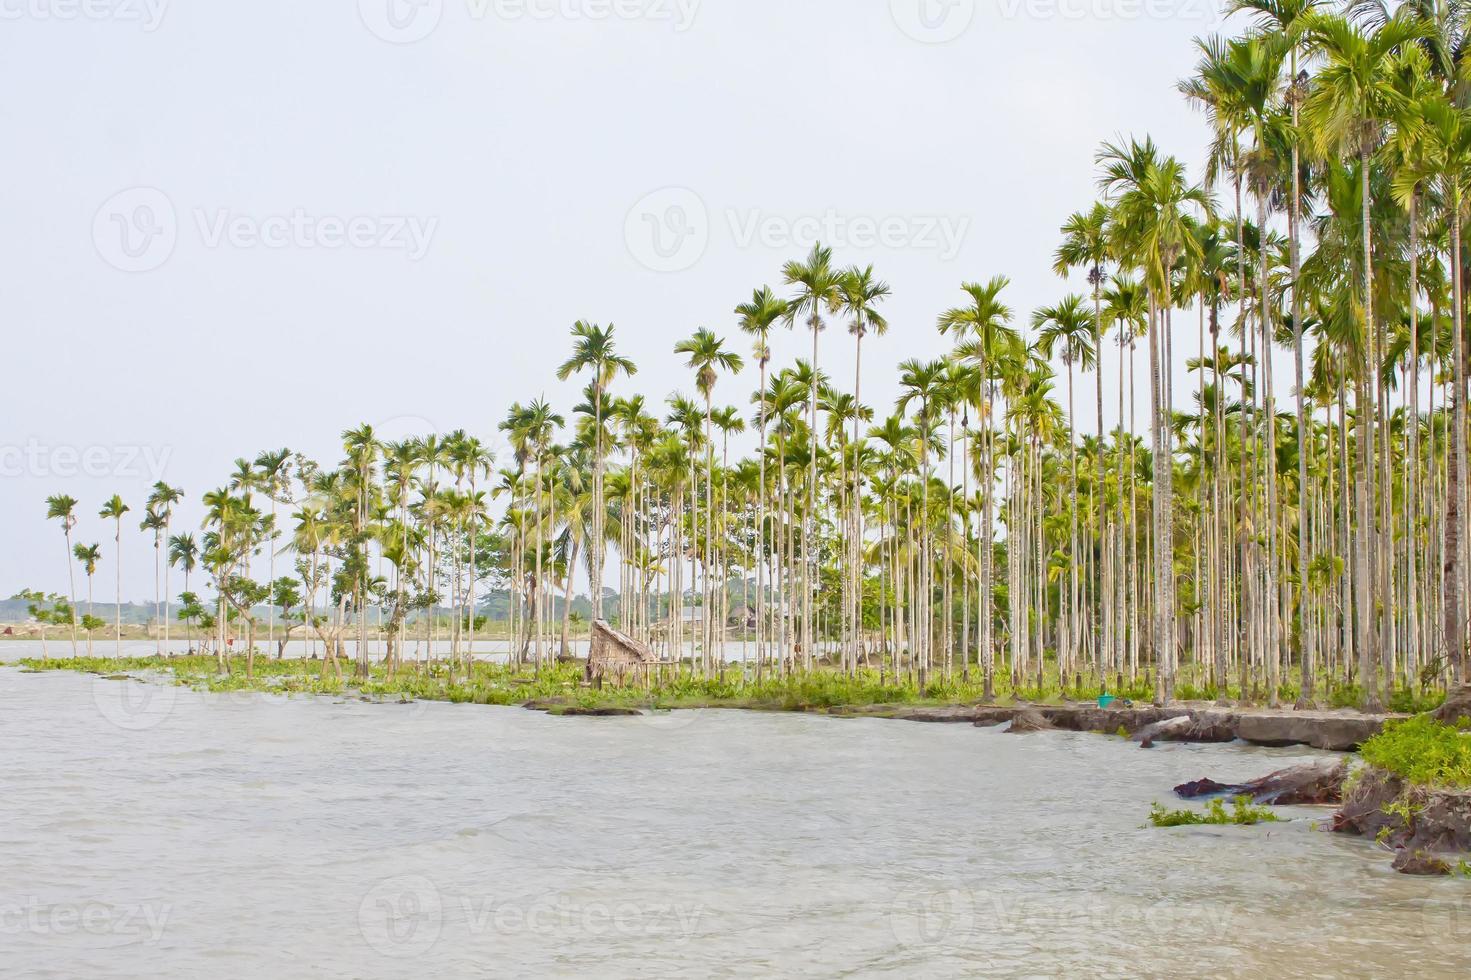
1423,752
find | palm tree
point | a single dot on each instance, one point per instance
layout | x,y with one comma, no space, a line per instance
923,381
1085,244
273,471
593,352
1067,329
60,507
153,521
861,292
88,556
708,356
184,552
1151,223
115,509
1445,132
984,328
1352,100
756,318
819,292
162,501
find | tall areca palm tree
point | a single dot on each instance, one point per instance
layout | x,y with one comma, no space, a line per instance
184,552
115,509
63,508
818,293
88,556
593,352
983,326
1085,245
153,521
1152,223
1445,132
273,469
162,501
708,356
756,318
1352,100
1067,330
861,293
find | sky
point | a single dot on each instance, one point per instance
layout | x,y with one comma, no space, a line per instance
238,226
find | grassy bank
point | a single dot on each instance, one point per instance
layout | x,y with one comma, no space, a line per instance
484,683
1422,752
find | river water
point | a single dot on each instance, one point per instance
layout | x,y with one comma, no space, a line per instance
154,831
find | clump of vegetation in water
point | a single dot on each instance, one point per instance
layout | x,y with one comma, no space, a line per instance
1242,813
1422,751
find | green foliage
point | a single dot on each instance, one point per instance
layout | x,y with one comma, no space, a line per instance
1409,702
1242,813
1422,751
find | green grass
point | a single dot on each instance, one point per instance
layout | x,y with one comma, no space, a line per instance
821,688
1422,751
1242,813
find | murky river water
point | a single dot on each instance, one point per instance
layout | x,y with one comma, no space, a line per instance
153,831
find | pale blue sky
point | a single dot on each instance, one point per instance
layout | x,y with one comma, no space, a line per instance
231,226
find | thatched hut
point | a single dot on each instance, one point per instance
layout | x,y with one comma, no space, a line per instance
617,655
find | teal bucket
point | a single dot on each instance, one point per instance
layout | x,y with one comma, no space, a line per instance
1105,700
